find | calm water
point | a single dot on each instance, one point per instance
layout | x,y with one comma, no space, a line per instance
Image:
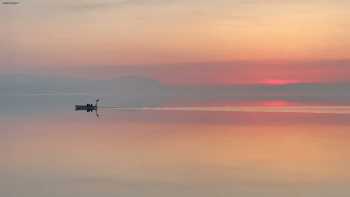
47,149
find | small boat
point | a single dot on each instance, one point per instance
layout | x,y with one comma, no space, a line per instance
87,107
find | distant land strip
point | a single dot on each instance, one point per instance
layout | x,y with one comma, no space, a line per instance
10,2
289,109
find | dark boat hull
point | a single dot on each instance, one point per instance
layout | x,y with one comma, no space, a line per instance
88,108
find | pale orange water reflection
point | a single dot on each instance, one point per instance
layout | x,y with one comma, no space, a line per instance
170,154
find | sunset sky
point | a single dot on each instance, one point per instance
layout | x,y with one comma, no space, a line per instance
190,98
180,41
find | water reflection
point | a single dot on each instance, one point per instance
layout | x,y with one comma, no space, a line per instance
158,153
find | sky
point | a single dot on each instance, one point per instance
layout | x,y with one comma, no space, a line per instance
179,41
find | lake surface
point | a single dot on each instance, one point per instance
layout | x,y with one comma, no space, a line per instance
47,149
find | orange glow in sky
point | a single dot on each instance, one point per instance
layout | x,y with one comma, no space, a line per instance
278,82
149,37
